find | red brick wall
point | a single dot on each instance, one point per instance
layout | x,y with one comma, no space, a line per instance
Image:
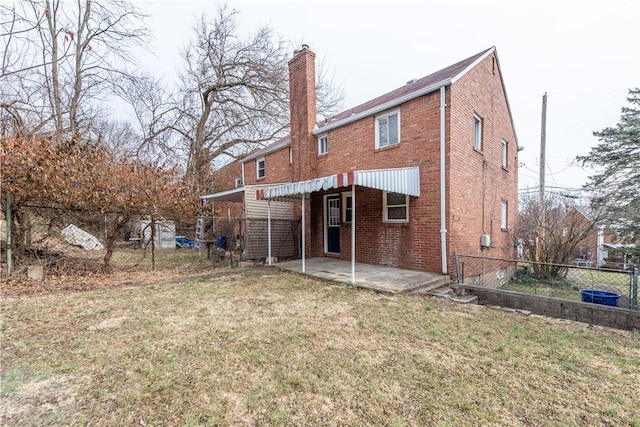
302,89
477,181
413,245
277,169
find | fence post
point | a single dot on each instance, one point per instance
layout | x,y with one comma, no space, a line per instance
634,292
457,262
9,254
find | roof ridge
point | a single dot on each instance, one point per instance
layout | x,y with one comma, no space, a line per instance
449,72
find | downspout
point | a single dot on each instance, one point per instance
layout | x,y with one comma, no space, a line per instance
353,233
443,198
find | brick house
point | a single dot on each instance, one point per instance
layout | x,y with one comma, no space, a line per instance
401,180
600,247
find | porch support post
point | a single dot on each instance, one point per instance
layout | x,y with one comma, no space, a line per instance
304,242
353,234
269,228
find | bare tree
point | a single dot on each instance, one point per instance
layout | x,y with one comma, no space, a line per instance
233,94
552,232
233,97
61,61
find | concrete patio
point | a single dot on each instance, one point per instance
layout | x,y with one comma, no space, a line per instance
376,277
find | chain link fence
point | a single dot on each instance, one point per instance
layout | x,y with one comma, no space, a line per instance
570,282
249,238
66,242
63,242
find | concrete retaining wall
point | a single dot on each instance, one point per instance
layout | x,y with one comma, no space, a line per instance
596,314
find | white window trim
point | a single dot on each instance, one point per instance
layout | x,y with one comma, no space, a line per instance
264,168
504,215
377,137
320,138
477,138
345,196
504,154
385,212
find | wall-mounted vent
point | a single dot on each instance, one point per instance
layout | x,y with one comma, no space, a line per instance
485,241
239,182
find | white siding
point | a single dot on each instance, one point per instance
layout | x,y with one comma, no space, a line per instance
258,208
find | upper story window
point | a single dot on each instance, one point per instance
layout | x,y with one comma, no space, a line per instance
477,132
388,129
260,168
505,153
504,210
395,207
323,144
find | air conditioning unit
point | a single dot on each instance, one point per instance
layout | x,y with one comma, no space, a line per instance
485,241
239,182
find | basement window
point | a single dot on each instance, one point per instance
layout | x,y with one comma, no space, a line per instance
395,207
388,129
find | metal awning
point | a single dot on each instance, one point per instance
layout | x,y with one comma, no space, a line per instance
619,245
233,195
396,180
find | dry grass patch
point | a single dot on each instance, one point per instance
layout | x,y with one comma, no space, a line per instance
280,349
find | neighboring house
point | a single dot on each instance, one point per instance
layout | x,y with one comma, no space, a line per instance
600,247
421,171
574,224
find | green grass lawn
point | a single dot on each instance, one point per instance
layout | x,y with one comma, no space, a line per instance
605,277
164,258
269,348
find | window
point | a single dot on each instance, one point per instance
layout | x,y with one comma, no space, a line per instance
504,208
395,207
565,231
388,129
323,145
260,169
504,154
477,132
347,207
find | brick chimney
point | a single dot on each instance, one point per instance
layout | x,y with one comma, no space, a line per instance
302,105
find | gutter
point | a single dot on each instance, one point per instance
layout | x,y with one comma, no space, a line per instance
381,107
443,198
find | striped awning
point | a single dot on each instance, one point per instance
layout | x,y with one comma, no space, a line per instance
396,180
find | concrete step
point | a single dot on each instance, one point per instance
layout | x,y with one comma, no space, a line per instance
428,287
466,299
448,292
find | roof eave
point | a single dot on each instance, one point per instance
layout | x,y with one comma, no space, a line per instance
382,107
473,64
259,154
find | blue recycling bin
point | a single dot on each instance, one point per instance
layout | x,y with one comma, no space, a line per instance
222,242
600,297
183,242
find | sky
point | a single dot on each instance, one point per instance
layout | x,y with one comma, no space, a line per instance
584,54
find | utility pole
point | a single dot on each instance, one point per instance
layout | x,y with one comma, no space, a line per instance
543,144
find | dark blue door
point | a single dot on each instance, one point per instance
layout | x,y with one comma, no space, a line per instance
333,224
